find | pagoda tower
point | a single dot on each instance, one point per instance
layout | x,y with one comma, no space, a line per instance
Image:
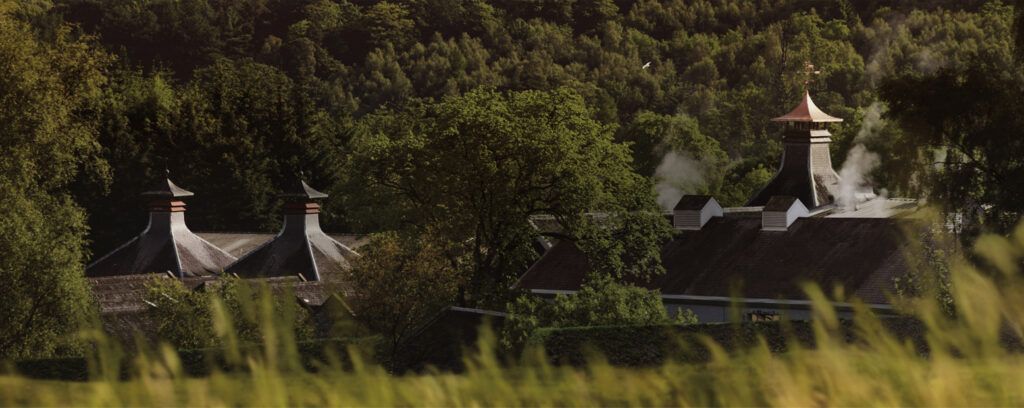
166,245
806,171
301,248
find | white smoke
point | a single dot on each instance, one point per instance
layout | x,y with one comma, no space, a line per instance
677,174
854,177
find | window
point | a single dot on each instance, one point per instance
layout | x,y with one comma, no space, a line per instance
762,316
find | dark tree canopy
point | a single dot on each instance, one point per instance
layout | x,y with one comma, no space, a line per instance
475,168
233,95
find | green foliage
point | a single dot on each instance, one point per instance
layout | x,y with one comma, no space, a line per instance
399,284
46,140
653,136
654,345
234,144
969,123
226,313
742,183
930,256
599,302
471,170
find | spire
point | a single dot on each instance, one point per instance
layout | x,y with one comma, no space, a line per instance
166,245
301,248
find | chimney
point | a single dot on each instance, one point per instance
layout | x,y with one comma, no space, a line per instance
166,245
693,211
806,171
301,248
780,212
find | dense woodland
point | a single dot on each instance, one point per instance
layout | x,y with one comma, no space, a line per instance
236,96
454,120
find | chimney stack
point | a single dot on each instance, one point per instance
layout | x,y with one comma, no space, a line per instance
166,245
693,211
301,248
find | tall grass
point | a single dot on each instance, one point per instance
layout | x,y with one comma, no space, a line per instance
969,360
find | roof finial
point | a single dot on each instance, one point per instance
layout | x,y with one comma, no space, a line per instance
167,171
809,73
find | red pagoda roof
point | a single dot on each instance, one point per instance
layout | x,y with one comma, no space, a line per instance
807,111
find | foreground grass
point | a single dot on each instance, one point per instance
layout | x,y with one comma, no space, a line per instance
841,376
972,359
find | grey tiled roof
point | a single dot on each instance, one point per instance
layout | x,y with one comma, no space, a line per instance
161,248
301,248
238,244
733,256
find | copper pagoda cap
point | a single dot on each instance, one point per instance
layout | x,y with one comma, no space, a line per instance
807,111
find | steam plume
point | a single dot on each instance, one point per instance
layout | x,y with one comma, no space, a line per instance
854,182
676,175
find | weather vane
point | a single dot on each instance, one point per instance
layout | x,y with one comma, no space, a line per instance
809,73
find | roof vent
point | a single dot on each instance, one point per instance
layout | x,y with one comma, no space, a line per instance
693,211
780,212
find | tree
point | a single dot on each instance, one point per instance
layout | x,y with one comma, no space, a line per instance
46,139
971,121
474,169
389,24
228,312
674,151
965,115
399,283
599,302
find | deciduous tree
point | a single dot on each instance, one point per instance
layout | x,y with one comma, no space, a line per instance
475,168
46,139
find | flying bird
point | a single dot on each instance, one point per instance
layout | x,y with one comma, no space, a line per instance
647,65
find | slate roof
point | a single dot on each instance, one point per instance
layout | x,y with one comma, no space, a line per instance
300,249
779,203
238,244
733,256
126,293
165,245
692,202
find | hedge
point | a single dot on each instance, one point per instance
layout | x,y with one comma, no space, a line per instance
653,345
198,362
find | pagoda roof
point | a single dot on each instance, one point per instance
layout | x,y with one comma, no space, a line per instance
165,188
298,189
806,111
